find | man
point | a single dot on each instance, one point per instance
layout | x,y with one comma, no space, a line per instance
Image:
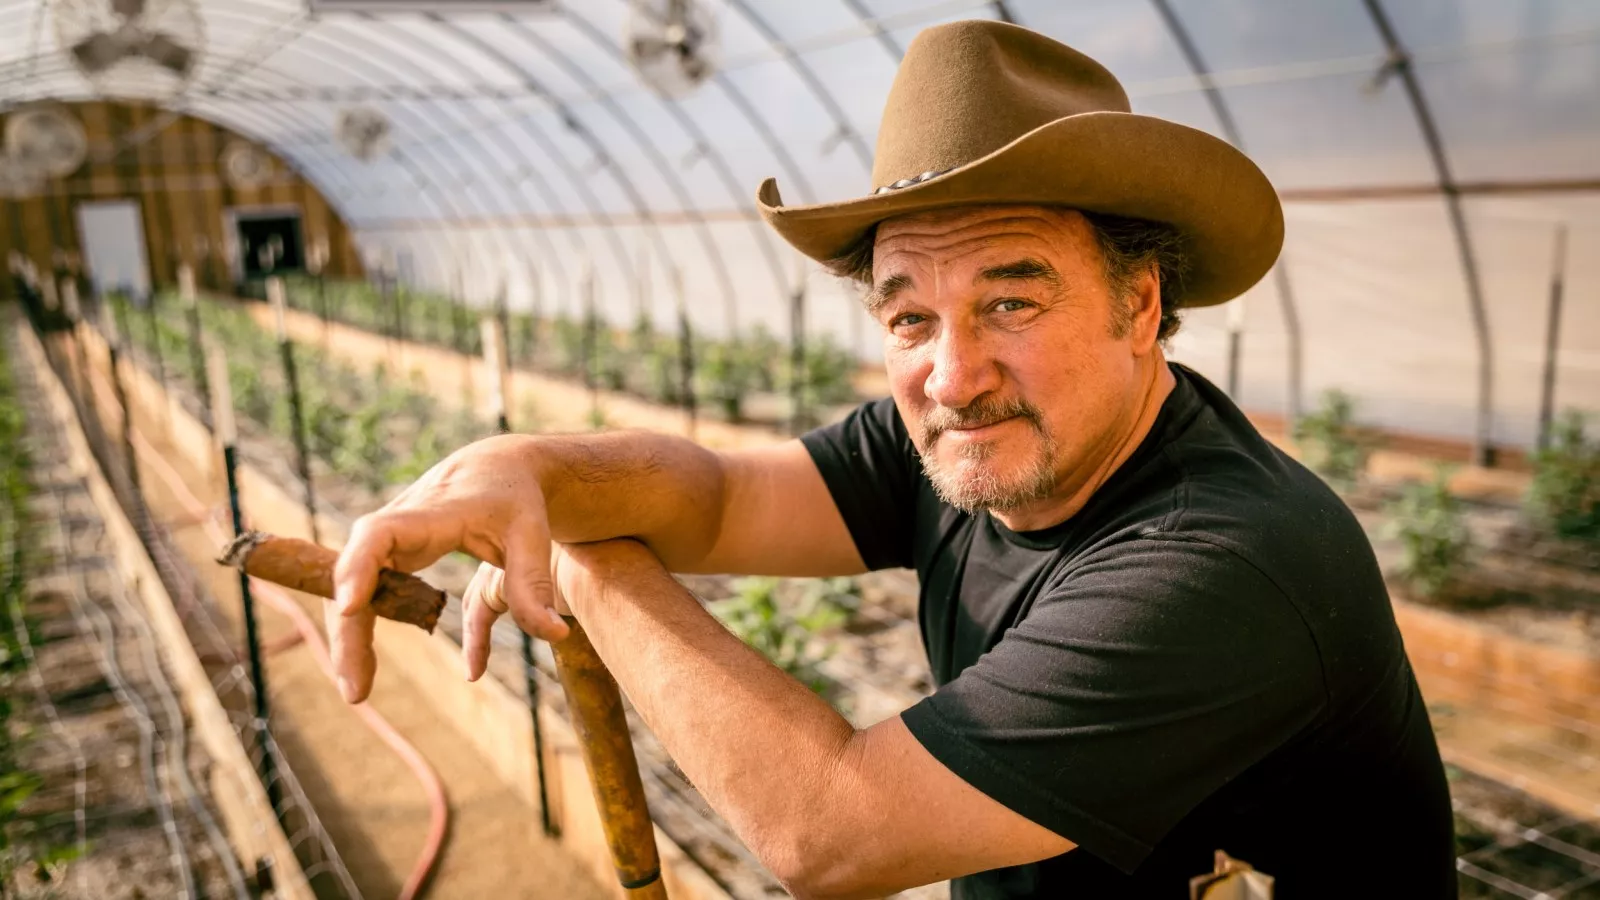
1154,635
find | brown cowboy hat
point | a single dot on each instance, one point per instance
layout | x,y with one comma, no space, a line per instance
988,113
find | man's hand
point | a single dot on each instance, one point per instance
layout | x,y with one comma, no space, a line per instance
485,499
504,499
575,569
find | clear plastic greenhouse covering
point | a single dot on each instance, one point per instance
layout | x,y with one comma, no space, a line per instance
1431,155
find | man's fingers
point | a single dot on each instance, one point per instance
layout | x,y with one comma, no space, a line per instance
350,645
530,591
482,605
398,539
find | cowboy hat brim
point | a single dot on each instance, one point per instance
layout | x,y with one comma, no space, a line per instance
1114,163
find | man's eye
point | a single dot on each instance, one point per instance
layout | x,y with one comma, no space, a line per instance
1012,305
907,319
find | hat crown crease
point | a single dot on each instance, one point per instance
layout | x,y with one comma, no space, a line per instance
966,89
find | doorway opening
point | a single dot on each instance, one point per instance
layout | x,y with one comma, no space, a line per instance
111,233
269,243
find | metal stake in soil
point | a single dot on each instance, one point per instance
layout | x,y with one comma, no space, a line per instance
496,356
685,354
797,358
591,340
228,435
297,421
1552,338
197,353
119,390
155,341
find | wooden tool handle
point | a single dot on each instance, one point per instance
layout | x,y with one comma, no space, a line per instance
595,705
303,566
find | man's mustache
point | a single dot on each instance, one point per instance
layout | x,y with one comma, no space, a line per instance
981,412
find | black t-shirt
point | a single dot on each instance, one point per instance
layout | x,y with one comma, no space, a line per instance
1204,657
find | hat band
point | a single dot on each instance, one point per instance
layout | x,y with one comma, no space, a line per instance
908,182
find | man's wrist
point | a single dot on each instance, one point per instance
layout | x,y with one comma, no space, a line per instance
589,569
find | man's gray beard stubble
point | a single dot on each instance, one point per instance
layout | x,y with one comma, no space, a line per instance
988,490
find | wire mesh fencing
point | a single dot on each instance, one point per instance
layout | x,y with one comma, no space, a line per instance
101,412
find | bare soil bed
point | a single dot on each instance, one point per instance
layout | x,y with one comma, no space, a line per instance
123,793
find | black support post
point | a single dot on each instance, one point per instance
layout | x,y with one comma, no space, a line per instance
1552,339
797,359
227,434
252,638
197,359
685,355
297,420
153,316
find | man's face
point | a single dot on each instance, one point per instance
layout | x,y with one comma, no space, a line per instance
1003,348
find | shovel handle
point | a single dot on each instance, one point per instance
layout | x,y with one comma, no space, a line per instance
595,705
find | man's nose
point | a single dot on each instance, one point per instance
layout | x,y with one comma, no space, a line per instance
963,369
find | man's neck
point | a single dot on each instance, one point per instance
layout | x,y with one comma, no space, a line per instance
1077,487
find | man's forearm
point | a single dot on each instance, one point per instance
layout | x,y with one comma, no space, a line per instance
664,491
761,747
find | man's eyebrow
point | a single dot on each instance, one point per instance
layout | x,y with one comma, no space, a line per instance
884,291
1022,269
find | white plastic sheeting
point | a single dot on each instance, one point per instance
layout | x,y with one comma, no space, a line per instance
525,150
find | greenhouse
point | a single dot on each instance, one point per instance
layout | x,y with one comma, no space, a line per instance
274,260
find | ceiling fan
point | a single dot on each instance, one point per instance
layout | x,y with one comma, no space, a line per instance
672,44
103,37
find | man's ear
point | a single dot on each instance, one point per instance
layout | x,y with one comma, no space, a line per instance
1144,311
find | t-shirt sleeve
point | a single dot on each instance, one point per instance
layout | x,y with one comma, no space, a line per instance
1152,675
870,466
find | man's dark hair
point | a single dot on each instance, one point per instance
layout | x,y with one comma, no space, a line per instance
1129,246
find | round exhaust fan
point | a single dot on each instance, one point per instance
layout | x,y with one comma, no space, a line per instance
16,181
245,165
48,142
363,132
131,47
672,44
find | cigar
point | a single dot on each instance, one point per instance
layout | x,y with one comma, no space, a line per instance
303,566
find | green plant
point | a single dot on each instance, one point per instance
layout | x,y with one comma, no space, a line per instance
522,338
663,366
727,376
611,358
569,344
765,354
365,454
426,451
829,369
1564,495
755,616
828,603
1329,442
1434,540
326,424
250,395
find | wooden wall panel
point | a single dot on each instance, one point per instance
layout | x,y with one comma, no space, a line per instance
214,198
175,176
174,153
